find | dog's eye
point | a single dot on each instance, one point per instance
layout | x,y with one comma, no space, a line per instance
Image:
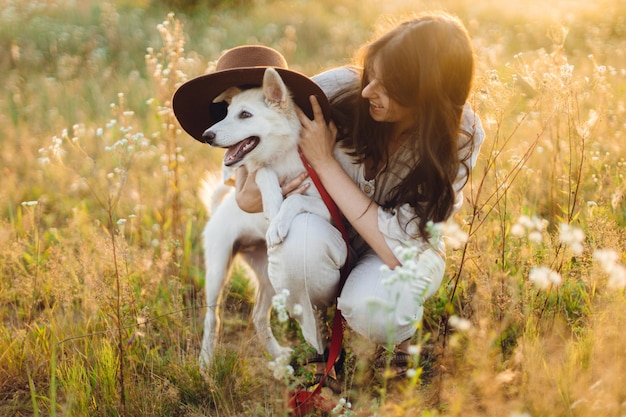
245,114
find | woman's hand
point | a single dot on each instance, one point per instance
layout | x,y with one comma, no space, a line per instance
317,140
248,195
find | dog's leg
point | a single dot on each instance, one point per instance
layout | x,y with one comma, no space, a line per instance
257,260
219,237
218,259
271,194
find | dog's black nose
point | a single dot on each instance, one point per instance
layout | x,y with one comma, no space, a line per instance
208,136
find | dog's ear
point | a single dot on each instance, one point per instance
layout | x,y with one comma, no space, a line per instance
274,89
227,95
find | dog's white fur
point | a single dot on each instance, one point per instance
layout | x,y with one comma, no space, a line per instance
267,113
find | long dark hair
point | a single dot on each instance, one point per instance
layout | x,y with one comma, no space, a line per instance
427,64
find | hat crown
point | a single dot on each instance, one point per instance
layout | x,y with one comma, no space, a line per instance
193,102
250,56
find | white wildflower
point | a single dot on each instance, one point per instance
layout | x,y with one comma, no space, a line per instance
279,303
566,71
56,149
617,277
29,203
407,255
518,230
544,277
435,231
606,258
535,236
533,226
453,234
414,350
572,237
343,408
280,367
609,261
459,323
297,309
415,270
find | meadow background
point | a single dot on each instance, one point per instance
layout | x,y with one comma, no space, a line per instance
101,272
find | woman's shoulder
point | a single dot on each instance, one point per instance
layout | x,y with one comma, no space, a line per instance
471,125
471,135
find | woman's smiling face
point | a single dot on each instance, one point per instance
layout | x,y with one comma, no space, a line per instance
383,108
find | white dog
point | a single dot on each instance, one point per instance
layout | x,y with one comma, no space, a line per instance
261,131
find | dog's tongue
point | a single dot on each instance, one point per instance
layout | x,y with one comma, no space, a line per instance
236,152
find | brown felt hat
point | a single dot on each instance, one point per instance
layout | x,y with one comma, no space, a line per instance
243,67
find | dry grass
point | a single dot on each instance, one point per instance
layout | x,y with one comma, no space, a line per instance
100,261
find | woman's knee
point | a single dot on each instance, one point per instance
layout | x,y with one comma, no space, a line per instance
311,242
382,320
308,259
386,310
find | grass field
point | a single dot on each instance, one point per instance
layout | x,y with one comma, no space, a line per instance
101,271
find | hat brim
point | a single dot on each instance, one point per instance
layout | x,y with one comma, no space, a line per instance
193,101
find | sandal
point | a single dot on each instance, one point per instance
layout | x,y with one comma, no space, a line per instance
395,363
330,381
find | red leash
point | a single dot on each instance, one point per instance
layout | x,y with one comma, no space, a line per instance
302,401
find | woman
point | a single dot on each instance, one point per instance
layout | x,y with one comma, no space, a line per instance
407,144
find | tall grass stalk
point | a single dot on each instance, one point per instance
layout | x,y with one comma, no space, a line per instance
53,380
118,310
33,395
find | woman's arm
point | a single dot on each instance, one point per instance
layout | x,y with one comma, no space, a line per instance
317,142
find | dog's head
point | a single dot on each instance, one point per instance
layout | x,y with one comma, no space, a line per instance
260,125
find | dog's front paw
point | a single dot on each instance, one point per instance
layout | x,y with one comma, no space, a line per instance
277,351
275,235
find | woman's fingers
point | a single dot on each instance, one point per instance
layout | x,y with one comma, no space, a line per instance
300,190
301,116
333,129
294,185
317,109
